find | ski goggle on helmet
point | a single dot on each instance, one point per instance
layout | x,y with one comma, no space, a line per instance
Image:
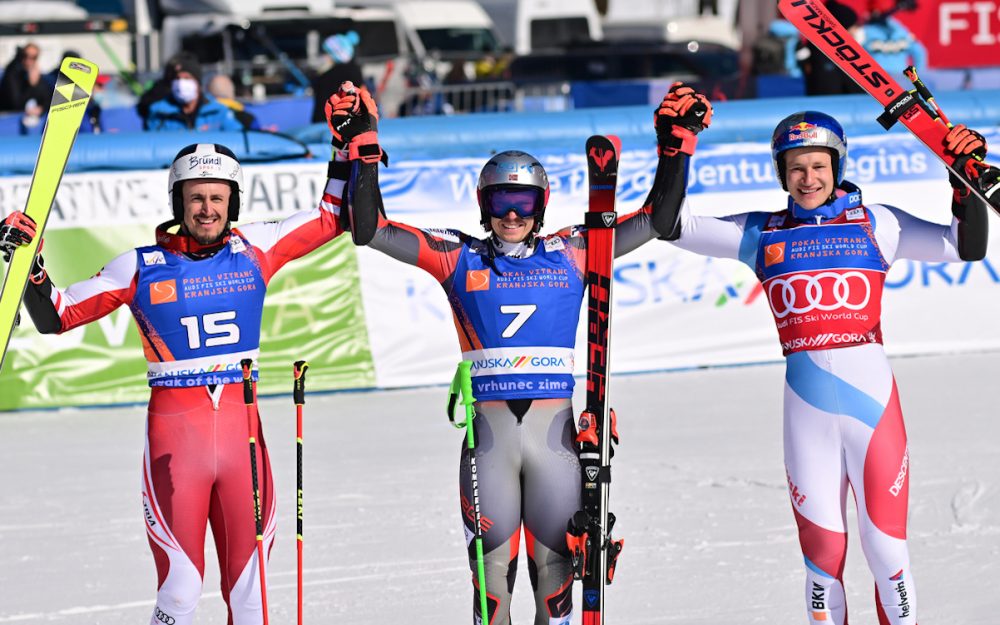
206,161
809,129
512,181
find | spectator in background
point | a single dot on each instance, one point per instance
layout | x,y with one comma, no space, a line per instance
424,96
822,76
343,67
92,116
188,107
889,42
161,88
221,88
23,88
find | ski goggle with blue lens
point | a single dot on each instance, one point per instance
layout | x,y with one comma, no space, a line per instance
526,202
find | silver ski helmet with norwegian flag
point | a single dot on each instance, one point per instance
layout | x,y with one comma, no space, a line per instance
512,170
205,161
809,129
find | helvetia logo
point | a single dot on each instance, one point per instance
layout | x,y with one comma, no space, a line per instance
902,594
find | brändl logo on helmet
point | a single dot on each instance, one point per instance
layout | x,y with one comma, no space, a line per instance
207,164
203,161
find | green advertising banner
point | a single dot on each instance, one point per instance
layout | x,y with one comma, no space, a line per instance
313,311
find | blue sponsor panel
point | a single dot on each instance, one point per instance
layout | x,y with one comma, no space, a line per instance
432,185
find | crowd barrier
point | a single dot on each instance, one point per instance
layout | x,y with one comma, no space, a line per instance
363,320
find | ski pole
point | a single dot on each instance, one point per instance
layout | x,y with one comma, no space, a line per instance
299,396
911,73
252,426
925,93
461,384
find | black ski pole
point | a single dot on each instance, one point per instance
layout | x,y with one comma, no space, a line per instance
253,425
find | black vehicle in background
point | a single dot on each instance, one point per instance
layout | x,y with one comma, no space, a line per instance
710,68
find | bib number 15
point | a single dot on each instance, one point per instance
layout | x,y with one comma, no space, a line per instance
217,328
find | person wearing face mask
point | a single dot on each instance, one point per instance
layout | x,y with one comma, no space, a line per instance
187,107
822,262
516,296
92,117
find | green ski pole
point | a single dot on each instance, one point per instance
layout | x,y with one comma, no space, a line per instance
461,390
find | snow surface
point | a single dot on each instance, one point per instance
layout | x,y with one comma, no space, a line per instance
699,490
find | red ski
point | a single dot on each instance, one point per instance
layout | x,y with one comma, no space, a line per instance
821,29
588,536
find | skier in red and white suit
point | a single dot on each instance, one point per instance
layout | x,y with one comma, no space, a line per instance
197,296
822,262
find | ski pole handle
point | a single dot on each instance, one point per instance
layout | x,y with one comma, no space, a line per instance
465,382
461,392
247,365
299,387
911,73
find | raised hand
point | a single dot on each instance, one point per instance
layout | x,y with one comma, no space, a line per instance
16,230
682,114
352,116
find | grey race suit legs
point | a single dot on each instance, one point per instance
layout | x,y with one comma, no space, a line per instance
528,472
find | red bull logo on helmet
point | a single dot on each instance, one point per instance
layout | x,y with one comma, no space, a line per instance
802,130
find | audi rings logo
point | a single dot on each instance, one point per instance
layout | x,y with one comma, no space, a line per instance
163,617
824,291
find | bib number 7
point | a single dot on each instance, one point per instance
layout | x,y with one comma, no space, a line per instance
523,311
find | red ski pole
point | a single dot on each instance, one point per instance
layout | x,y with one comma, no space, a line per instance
253,426
299,396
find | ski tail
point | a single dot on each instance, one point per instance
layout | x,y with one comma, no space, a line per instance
69,101
588,534
913,108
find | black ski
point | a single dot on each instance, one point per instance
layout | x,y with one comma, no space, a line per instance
588,535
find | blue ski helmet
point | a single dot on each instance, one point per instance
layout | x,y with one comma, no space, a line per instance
807,129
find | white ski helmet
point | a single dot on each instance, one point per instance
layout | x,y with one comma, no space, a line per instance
205,161
512,169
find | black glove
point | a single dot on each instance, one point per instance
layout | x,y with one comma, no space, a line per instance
16,230
353,119
682,114
988,183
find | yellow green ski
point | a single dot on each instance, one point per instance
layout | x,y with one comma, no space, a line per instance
69,101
